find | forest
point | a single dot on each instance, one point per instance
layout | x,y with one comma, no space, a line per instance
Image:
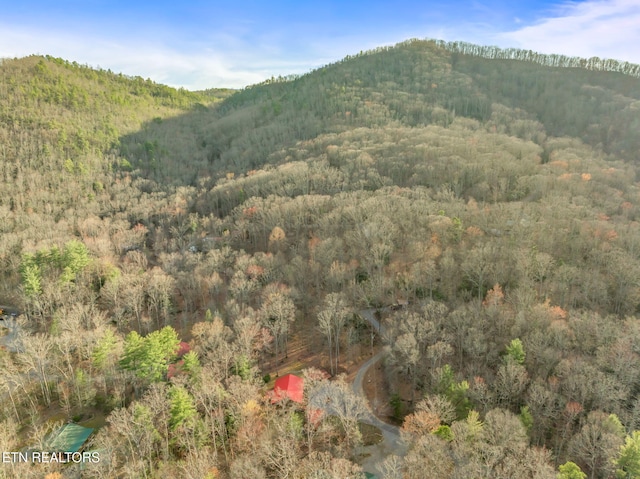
467,216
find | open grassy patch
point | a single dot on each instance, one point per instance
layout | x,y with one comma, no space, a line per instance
370,434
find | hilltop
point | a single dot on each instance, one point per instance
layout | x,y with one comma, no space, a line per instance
485,201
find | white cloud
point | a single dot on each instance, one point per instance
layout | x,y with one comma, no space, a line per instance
220,63
602,28
238,55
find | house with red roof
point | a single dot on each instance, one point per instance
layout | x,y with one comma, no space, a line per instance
290,387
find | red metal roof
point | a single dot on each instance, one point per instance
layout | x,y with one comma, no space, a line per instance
289,386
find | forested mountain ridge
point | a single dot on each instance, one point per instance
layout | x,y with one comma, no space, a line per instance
60,130
414,84
498,196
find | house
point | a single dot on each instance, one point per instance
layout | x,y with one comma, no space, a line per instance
290,387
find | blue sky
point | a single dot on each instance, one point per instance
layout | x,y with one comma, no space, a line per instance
204,44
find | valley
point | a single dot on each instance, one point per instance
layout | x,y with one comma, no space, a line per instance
463,219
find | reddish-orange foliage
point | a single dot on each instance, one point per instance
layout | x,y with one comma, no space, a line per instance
314,416
421,423
557,312
573,408
315,374
560,164
251,428
277,234
174,369
494,297
611,235
474,231
332,149
249,212
254,271
313,242
262,339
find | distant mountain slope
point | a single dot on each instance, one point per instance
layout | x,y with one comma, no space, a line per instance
52,112
61,124
60,130
80,143
414,84
496,199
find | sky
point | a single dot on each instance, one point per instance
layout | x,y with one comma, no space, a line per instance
199,44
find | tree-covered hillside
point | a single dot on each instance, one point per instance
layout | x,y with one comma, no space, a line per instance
485,202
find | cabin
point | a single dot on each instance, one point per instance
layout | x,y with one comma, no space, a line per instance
290,387
69,438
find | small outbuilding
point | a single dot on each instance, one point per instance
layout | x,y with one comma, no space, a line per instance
70,438
290,387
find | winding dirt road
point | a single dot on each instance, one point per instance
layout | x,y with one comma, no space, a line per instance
392,443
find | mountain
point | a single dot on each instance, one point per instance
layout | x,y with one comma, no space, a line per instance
410,85
485,201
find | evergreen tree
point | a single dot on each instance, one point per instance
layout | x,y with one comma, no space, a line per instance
149,356
183,410
628,460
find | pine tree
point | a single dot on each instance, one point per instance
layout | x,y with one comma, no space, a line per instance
628,462
183,410
149,356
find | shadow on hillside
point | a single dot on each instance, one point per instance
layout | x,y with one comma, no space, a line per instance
378,90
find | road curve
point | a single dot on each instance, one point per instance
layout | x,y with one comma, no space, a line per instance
392,441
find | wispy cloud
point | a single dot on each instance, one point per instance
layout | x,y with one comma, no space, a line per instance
217,63
603,28
247,42
221,59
